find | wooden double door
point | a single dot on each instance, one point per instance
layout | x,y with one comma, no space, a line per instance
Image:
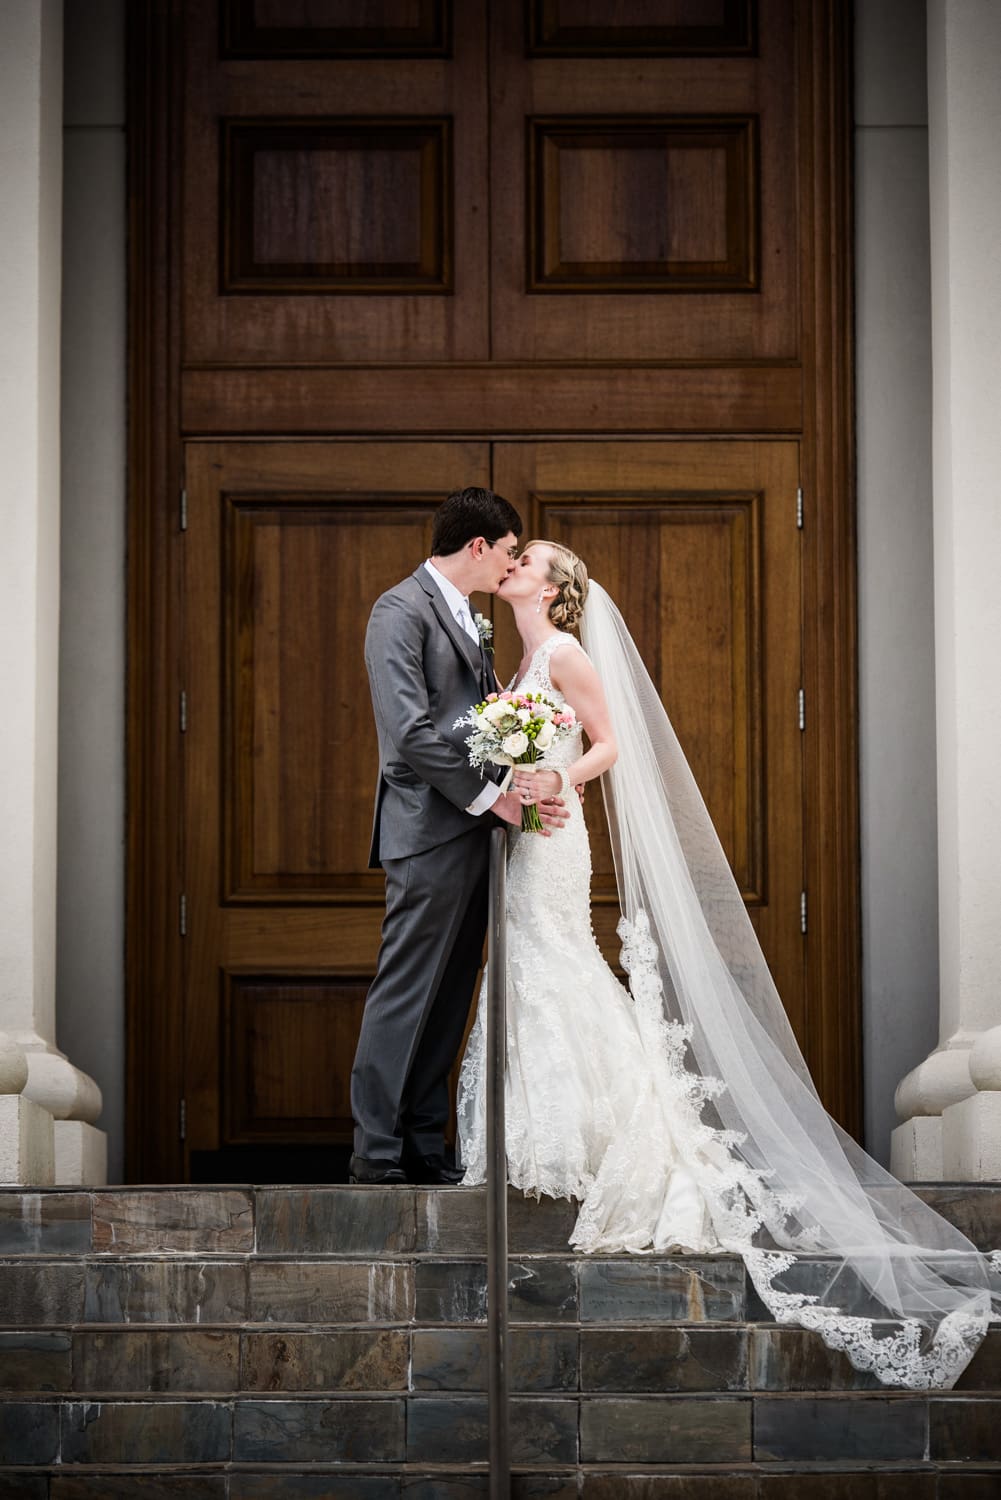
288,547
577,254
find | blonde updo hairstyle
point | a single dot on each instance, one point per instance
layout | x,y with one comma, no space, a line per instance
569,575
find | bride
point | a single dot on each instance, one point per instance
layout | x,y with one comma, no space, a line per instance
679,1112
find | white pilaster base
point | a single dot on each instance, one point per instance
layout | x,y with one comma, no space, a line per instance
27,1150
54,1083
81,1154
971,1139
916,1149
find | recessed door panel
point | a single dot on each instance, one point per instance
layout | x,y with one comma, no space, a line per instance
698,545
643,199
288,547
335,190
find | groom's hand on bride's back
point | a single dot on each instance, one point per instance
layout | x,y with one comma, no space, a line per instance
553,812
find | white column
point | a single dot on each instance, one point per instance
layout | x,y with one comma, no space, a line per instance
896,628
90,903
46,1125
951,1103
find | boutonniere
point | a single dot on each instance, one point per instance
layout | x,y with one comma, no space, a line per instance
485,630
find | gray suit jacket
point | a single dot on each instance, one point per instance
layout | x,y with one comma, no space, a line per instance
424,672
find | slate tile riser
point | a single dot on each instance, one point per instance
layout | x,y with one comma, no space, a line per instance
353,1221
54,1292
373,1222
39,1291
545,1430
543,1358
591,1485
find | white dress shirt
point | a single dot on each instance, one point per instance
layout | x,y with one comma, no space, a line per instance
461,613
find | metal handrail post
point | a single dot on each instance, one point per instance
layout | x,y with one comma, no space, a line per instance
497,1270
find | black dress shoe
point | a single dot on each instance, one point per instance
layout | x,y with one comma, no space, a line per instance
363,1169
432,1170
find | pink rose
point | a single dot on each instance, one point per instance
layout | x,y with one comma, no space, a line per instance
491,697
506,697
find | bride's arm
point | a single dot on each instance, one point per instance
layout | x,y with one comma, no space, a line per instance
573,675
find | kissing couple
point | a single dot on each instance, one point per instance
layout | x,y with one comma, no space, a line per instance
677,1113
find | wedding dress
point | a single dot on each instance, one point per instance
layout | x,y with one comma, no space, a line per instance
592,1107
679,1113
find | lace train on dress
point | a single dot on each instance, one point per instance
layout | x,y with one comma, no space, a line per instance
603,1107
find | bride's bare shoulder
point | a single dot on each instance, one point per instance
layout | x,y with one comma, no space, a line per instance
568,661
566,645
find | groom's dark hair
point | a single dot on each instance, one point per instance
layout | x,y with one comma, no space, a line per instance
468,513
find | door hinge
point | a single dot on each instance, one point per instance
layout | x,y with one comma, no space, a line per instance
802,708
183,1121
184,916
184,510
799,508
183,712
802,911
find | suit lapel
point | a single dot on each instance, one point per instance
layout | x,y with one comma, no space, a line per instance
467,649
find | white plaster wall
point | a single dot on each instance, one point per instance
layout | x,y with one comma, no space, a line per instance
30,164
896,616
964,39
91,886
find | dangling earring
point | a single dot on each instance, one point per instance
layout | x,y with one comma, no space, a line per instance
538,607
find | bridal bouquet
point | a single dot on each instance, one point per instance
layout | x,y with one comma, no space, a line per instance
516,729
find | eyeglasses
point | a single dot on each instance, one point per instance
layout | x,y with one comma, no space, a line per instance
512,552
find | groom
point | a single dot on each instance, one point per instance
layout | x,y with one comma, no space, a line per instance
433,815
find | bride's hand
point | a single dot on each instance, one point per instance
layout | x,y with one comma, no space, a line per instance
534,786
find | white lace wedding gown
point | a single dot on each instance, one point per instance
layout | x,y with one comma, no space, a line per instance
599,1105
602,1106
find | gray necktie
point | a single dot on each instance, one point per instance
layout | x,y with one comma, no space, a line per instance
465,619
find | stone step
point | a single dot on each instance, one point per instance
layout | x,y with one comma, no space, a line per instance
243,1342
766,1430
40,1291
592,1482
685,1358
349,1221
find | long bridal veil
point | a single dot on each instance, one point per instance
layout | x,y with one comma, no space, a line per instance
830,1240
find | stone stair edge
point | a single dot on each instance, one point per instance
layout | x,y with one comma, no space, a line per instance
183,1397
421,1468
326,1327
382,1258
404,1223
992,1186
74,1430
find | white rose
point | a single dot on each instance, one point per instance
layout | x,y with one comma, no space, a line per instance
524,714
515,744
543,711
545,736
494,712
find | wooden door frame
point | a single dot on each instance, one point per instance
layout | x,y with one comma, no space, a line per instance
154,795
154,946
